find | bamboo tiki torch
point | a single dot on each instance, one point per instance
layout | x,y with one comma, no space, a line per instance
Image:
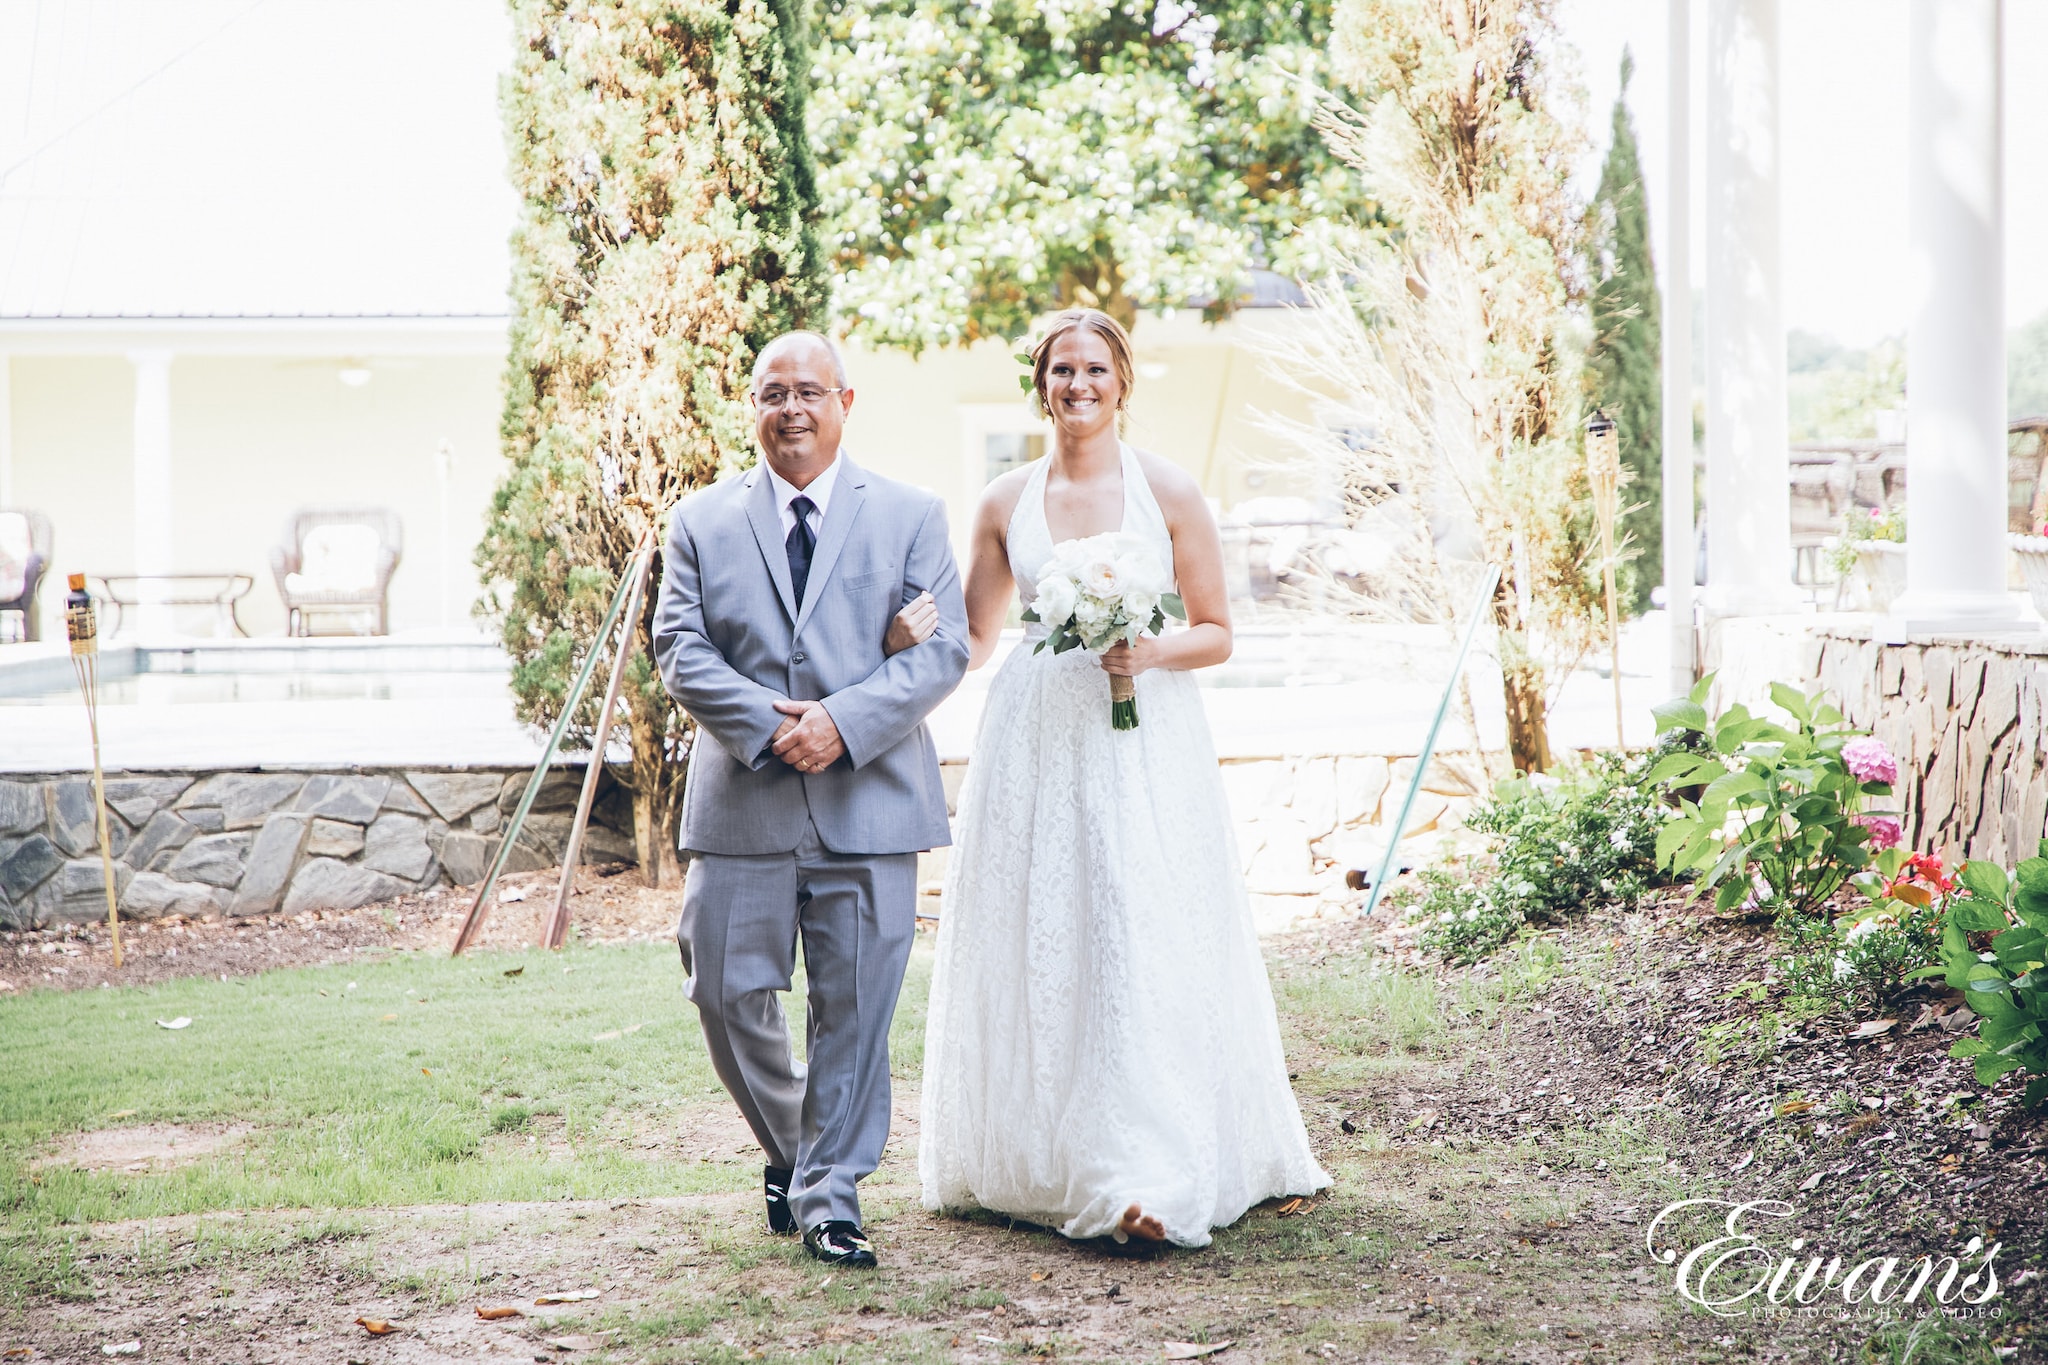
83,628
1603,471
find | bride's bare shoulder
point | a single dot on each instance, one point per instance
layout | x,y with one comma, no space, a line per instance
999,500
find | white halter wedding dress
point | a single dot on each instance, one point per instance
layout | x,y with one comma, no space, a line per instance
1101,1030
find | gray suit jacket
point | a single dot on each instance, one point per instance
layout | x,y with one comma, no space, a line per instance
730,641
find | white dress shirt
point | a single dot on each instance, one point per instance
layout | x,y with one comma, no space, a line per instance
819,492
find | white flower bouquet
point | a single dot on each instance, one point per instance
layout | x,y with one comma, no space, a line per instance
1098,592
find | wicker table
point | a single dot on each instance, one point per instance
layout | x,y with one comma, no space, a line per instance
218,590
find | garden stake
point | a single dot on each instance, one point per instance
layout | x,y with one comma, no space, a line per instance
1443,707
1603,471
557,928
474,921
83,628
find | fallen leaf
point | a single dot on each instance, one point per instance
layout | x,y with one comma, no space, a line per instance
566,1296
604,1037
514,971
376,1327
1790,1107
509,894
117,1114
387,1018
425,1072
126,1348
1812,1181
1294,1208
1345,1125
18,1351
498,1314
1871,1028
1193,1350
323,992
180,1022
1742,1164
574,1342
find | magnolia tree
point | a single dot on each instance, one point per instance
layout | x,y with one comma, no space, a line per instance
659,151
987,161
1441,352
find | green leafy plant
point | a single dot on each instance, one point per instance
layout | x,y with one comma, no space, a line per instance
1778,818
1566,844
1994,945
1875,954
1859,527
1563,845
1461,922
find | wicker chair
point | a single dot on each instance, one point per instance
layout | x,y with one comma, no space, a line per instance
338,560
25,540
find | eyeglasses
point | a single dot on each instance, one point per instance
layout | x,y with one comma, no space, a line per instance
810,395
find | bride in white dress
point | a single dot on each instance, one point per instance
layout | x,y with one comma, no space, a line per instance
1101,1054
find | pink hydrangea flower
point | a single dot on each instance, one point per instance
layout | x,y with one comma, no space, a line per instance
1885,830
1870,760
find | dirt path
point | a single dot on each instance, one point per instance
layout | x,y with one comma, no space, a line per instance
606,907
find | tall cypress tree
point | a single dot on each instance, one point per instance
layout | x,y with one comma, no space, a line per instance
666,234
1625,362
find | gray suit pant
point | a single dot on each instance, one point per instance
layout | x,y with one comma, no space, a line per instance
857,914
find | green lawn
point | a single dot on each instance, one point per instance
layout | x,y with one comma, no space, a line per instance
418,1079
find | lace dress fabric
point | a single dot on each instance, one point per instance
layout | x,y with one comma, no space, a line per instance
1101,1030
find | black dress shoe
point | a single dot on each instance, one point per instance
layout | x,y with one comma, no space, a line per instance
839,1242
775,1186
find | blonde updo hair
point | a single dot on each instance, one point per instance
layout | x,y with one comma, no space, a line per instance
1103,325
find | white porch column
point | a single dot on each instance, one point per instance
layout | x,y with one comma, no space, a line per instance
1749,502
1677,342
1955,351
153,479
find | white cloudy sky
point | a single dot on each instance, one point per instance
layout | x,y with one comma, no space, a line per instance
309,155
1843,110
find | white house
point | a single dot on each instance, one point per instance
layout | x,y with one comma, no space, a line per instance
253,259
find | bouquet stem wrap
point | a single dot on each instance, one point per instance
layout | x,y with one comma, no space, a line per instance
1123,702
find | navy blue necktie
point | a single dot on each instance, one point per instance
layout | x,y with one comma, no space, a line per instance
800,544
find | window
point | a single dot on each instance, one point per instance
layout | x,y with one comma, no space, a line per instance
1004,451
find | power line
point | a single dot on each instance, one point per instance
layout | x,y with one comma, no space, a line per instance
124,94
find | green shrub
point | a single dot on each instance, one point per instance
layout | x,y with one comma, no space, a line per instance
1587,839
1994,943
1461,922
1791,796
1561,845
1869,958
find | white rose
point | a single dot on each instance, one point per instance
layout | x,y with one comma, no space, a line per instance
1055,600
1139,606
1140,571
1098,576
1090,612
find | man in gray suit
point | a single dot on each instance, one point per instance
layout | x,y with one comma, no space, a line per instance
810,618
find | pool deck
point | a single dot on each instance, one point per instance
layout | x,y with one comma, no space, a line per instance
1348,691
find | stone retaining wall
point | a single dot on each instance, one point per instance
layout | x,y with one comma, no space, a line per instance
1967,717
246,843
